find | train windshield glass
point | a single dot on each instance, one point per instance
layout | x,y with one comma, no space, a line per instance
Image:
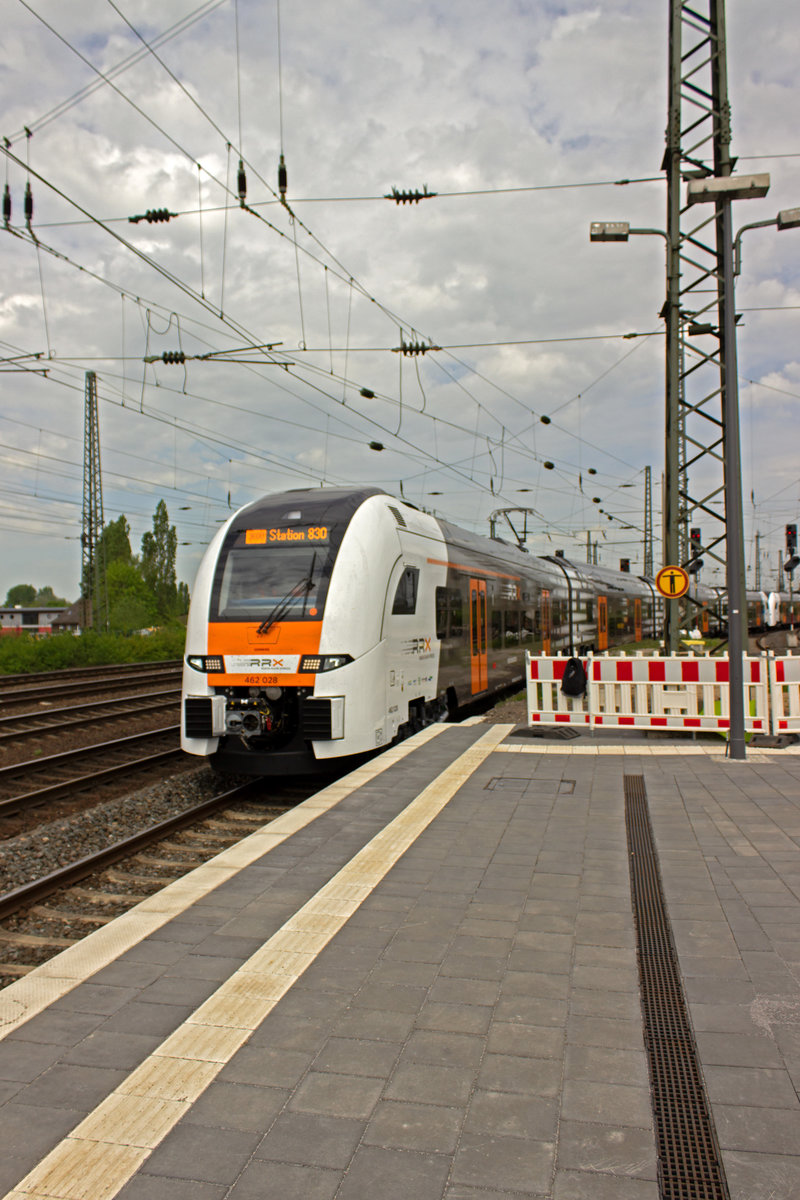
261,583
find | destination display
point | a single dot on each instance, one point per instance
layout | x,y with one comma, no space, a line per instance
288,535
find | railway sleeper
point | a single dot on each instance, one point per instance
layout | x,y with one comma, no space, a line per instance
63,914
99,897
12,938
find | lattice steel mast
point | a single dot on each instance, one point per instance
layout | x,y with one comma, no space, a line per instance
92,579
698,146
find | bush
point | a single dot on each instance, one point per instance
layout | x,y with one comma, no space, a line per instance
52,652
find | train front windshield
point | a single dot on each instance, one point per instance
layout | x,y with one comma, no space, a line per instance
262,583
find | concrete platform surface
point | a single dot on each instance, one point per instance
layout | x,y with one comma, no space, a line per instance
422,984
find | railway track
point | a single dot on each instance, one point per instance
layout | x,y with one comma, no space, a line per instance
86,894
90,685
60,776
42,722
72,674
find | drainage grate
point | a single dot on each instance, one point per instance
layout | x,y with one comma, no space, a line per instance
689,1161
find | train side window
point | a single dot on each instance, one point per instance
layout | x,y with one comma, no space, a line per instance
511,627
441,613
405,598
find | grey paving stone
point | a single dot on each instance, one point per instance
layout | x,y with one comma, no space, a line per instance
372,1023
161,1187
756,1088
394,1175
120,1051
237,1106
505,1114
59,1028
763,1130
77,1087
30,1134
608,1148
528,1041
535,983
474,966
738,1050
312,1140
405,972
154,1019
94,998
753,1176
264,1066
423,1127
337,1095
606,1103
532,1010
455,1018
179,991
600,1064
357,1056
455,990
131,973
284,1181
193,1152
390,997
623,1006
591,1185
444,1049
428,1084
21,1060
604,1031
527,1076
510,1163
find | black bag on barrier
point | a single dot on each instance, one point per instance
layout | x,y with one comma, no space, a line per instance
574,680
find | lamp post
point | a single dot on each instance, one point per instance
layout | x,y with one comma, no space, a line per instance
721,191
787,218
620,231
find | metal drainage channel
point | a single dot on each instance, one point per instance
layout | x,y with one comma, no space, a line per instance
689,1161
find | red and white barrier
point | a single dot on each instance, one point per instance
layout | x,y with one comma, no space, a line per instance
784,686
676,693
547,704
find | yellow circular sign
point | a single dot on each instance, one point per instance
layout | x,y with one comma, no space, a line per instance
672,582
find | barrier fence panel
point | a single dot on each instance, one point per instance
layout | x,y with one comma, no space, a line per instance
784,686
547,704
674,693
677,693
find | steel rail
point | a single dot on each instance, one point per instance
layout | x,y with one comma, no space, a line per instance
101,683
70,673
55,761
65,718
31,893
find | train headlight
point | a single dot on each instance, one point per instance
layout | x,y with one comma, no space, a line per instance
313,664
209,664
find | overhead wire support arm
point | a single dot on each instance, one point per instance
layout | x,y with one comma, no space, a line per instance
409,197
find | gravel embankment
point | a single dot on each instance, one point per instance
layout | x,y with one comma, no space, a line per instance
56,844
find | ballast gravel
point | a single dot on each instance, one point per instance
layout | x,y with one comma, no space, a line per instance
30,856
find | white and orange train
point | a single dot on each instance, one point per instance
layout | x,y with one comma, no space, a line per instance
326,623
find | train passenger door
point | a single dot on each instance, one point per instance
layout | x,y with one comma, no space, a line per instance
602,622
546,621
637,619
477,635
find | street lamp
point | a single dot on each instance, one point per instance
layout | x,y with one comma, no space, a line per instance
620,231
787,218
721,190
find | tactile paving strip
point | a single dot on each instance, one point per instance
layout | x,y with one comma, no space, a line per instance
689,1160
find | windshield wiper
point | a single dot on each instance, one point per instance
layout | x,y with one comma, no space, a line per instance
303,588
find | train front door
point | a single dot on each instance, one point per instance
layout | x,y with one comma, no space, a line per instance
477,635
602,622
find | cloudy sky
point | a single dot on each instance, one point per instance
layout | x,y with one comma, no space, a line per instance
522,115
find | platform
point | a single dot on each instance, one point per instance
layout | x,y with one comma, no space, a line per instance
422,984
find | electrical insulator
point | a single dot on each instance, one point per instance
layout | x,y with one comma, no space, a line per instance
241,183
7,206
28,203
367,393
173,356
409,197
282,178
154,215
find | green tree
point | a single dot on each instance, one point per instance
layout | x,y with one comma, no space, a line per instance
159,550
114,544
131,603
46,595
23,594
